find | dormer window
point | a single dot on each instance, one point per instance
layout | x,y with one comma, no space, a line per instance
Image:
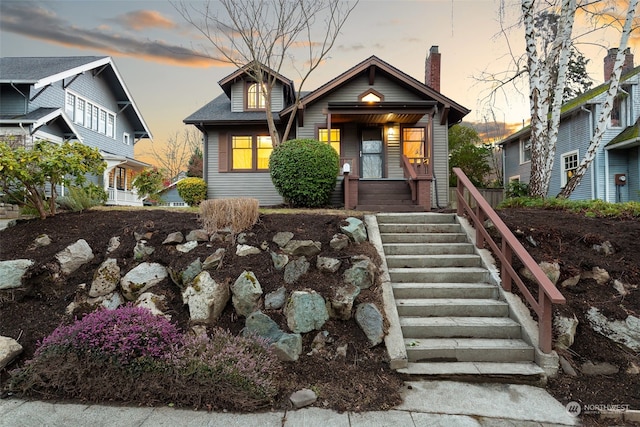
256,96
371,96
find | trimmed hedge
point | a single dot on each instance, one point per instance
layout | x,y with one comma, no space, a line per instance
192,190
304,171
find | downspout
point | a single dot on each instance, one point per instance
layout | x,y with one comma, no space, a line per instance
595,158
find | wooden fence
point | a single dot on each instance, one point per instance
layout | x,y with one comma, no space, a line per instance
492,195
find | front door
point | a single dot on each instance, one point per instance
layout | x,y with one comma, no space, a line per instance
371,153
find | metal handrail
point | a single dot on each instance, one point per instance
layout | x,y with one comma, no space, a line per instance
548,294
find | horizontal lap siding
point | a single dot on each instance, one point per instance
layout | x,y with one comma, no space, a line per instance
512,166
633,179
440,165
234,184
573,134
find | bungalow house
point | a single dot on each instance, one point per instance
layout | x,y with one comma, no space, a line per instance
389,128
614,175
79,98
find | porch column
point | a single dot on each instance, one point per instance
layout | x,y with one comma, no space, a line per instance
423,190
350,183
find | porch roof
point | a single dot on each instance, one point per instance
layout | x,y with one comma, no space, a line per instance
380,112
629,137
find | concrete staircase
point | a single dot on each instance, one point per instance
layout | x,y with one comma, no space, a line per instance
453,323
386,196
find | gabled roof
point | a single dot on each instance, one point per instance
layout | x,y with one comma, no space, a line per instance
629,136
589,97
219,111
241,73
40,72
41,117
375,64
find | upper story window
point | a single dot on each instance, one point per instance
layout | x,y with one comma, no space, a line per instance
256,96
90,115
323,136
525,150
371,96
618,112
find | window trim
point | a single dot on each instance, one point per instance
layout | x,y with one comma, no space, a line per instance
254,151
95,124
126,138
563,171
425,142
514,178
247,87
372,92
324,127
521,150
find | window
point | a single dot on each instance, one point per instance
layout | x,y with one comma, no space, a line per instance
323,136
250,152
70,105
618,111
79,114
515,178
371,96
110,125
413,143
569,166
255,96
126,139
87,115
94,119
121,174
102,123
525,150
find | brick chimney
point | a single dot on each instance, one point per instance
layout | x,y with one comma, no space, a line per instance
610,60
432,69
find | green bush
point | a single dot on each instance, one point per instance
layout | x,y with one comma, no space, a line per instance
81,198
304,171
517,189
192,190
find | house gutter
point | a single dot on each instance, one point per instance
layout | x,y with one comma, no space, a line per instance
595,158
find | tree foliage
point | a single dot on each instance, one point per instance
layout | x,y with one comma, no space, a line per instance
195,167
148,183
467,152
192,190
304,171
46,165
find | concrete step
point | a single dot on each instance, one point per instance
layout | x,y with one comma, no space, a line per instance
424,218
444,290
427,248
423,238
468,350
434,275
452,307
417,261
419,228
459,327
509,372
394,207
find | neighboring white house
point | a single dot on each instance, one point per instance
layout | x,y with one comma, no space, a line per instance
79,98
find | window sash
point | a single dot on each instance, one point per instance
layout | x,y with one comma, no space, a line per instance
525,150
569,166
256,97
250,152
413,142
323,136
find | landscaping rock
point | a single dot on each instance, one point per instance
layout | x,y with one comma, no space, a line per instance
370,320
198,236
74,256
282,238
567,368
152,302
260,324
296,269
550,269
341,305
355,230
9,350
328,265
279,260
141,278
187,247
626,333
106,278
141,250
41,241
206,298
143,236
302,398
110,301
307,248
246,293
245,250
570,282
214,261
339,242
604,368
606,248
565,330
243,238
621,288
361,273
275,300
600,275
173,238
11,272
306,311
114,243
288,348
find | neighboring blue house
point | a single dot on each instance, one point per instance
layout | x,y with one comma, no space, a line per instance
79,98
386,125
169,196
614,175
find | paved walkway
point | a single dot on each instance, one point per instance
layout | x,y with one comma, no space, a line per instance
426,403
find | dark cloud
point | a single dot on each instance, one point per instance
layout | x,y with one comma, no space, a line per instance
33,20
142,19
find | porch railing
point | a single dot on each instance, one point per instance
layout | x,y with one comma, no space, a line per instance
418,175
122,197
548,294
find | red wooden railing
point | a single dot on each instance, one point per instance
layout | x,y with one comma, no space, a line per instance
548,294
419,176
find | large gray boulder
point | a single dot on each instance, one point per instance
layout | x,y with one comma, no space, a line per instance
105,278
306,311
206,298
341,303
625,332
74,256
370,320
362,273
339,242
282,238
328,265
198,236
275,300
307,248
11,272
141,278
246,250
355,230
287,347
185,277
173,238
9,350
296,269
214,260
246,293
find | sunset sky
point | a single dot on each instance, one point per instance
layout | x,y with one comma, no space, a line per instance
154,50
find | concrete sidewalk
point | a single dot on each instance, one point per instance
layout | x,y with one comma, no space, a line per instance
425,403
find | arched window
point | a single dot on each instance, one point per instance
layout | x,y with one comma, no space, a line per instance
256,96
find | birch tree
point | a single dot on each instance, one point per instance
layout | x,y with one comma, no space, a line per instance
259,36
607,106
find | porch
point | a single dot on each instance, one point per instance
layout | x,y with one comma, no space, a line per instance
119,197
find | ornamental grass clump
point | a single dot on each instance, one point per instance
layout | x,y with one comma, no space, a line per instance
236,214
240,372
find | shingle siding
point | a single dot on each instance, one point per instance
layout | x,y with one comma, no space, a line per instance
11,101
